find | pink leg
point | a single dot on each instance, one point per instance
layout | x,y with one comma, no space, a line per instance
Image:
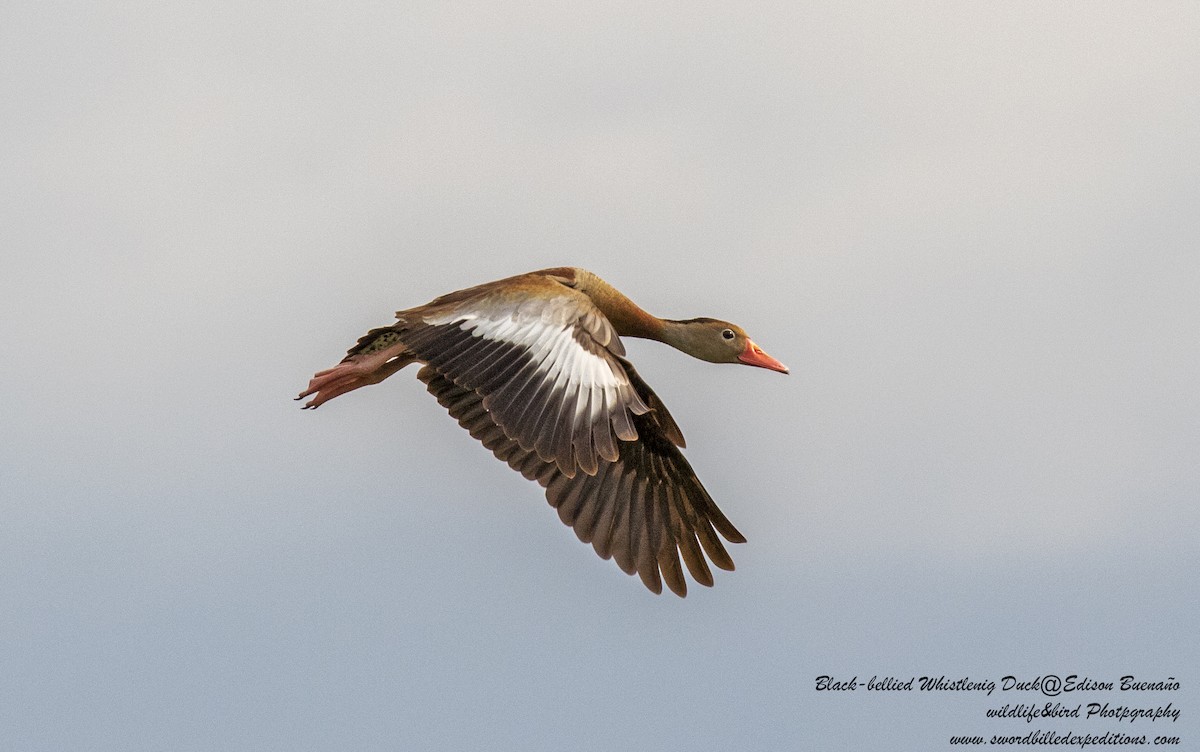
355,371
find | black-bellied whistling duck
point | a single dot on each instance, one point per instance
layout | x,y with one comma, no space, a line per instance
533,367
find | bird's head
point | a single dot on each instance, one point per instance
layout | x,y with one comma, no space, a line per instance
720,342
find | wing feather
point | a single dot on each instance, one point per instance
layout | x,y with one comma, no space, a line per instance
645,509
548,365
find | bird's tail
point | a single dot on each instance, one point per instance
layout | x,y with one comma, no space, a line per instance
378,354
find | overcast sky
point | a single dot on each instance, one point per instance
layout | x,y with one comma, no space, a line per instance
973,232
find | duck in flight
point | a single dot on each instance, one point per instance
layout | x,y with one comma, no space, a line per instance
533,367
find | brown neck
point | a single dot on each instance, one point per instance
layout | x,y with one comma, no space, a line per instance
626,317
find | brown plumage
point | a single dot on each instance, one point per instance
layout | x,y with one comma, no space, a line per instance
533,367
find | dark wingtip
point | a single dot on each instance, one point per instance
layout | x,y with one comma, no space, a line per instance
651,581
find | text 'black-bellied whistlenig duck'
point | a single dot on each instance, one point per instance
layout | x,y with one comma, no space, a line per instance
534,368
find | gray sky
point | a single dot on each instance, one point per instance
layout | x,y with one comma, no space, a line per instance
971,231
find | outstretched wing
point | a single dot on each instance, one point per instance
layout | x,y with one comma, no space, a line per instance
544,361
644,508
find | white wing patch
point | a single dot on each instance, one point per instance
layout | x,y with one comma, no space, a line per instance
563,362
586,393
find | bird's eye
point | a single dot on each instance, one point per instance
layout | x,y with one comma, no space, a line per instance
728,334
